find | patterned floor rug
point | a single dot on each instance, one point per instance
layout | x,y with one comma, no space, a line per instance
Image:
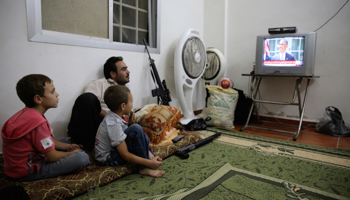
241,166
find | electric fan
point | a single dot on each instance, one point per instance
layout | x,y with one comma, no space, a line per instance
216,66
189,65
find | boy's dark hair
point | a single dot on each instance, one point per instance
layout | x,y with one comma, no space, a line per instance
110,66
31,85
116,95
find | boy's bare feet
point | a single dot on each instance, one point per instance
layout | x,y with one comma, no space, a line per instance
151,172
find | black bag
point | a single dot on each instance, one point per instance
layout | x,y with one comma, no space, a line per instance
196,124
333,123
242,108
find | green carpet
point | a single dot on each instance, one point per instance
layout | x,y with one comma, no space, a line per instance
241,166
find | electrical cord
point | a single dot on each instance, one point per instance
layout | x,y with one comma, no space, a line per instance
333,16
262,105
259,104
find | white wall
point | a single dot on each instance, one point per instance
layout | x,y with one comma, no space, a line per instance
249,18
73,67
214,24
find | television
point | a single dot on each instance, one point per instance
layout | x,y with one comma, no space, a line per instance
286,54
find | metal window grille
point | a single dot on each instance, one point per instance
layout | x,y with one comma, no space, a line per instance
131,21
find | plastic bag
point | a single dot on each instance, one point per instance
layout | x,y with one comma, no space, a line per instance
221,107
333,123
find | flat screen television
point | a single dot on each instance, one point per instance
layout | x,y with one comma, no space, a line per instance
286,54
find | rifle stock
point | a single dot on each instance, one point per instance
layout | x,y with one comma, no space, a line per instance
162,92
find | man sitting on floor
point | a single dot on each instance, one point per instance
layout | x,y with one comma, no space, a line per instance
89,109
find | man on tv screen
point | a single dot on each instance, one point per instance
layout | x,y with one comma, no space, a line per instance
283,55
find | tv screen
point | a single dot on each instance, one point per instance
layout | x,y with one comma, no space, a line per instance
283,51
286,54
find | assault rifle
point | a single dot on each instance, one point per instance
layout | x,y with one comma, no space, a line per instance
162,92
183,152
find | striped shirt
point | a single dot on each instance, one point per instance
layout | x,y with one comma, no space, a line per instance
109,135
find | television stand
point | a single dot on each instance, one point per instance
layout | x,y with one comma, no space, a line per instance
256,80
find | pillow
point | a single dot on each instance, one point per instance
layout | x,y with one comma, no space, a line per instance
167,140
144,110
159,121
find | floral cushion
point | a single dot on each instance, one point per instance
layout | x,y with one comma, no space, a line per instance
158,121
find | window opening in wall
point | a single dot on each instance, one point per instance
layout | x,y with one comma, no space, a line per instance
111,24
130,21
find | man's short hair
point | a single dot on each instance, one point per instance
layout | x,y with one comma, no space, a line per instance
110,66
116,95
31,85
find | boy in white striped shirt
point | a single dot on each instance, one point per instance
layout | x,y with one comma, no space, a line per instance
118,144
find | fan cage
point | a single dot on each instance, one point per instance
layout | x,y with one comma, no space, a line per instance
214,66
192,46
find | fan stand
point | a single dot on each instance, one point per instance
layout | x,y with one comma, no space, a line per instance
187,107
185,83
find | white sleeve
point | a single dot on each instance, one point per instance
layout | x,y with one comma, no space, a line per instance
98,89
